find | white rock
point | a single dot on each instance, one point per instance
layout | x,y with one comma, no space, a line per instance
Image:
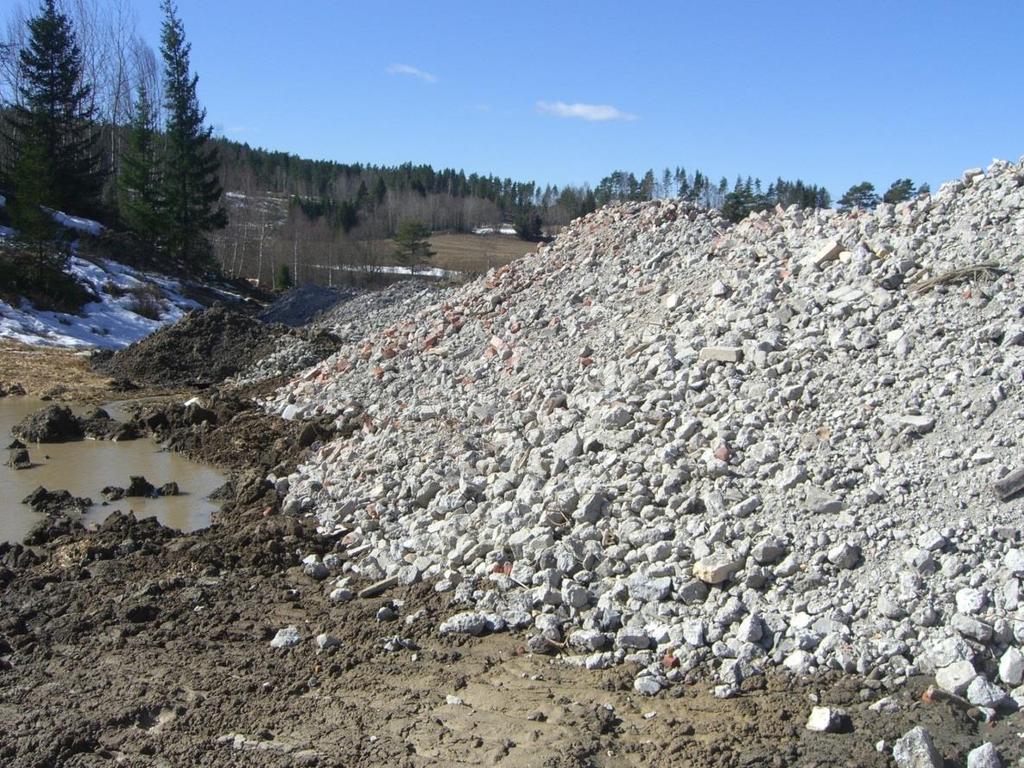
915,749
982,693
1011,667
826,720
286,638
985,756
956,677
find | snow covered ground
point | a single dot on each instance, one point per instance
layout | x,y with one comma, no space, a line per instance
393,270
504,229
110,322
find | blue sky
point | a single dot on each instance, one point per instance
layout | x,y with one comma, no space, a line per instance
831,92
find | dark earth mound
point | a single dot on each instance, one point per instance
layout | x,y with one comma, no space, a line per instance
202,349
302,305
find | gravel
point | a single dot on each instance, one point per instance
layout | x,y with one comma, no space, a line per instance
661,425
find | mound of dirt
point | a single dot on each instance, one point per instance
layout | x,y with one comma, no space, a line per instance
203,349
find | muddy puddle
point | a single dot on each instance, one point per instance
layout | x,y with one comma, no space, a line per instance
86,466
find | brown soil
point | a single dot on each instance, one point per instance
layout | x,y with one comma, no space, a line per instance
140,646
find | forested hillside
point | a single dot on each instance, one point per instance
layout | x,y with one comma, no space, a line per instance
97,123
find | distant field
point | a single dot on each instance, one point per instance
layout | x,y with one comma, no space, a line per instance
473,253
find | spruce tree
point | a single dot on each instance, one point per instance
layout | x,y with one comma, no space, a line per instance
191,191
139,184
52,126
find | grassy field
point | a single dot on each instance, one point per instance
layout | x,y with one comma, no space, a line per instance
470,253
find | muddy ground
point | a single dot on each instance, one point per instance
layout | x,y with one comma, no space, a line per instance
135,645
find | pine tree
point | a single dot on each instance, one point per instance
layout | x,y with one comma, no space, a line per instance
900,190
33,181
861,195
191,191
412,244
139,184
53,123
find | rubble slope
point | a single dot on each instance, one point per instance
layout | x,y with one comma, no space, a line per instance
668,439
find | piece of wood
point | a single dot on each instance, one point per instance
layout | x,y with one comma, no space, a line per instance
375,590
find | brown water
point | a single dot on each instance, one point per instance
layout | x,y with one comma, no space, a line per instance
84,467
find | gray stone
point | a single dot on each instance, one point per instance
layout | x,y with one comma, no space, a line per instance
717,568
466,623
985,756
827,720
650,590
648,686
970,601
982,693
722,354
325,642
844,555
1011,667
915,749
286,638
956,677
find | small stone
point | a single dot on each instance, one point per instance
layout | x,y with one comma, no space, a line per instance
717,568
316,570
382,586
982,693
467,623
956,677
921,424
286,638
326,642
844,555
648,686
828,252
722,354
1011,667
985,756
886,706
915,749
970,601
827,720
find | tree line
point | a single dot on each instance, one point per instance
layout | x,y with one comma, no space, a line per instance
96,123
158,176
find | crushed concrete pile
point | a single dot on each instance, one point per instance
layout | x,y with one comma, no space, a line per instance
352,316
204,348
693,445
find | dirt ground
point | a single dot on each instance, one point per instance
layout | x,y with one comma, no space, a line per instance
135,645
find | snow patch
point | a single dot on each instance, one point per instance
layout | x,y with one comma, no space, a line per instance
505,229
108,322
78,224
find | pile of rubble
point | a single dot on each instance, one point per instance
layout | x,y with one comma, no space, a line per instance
352,315
670,440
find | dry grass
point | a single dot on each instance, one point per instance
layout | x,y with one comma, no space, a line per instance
477,253
40,369
147,301
468,253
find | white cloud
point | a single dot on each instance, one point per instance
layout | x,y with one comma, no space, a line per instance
405,69
596,113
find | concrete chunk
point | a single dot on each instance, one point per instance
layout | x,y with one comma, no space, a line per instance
722,354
